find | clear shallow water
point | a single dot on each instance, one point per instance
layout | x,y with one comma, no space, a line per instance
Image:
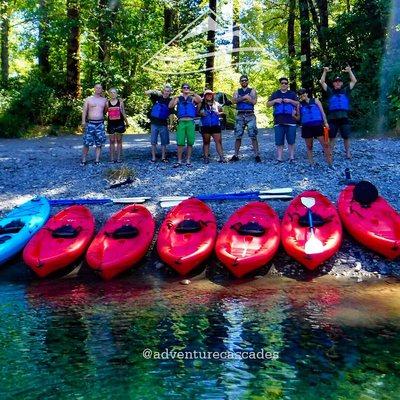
73,338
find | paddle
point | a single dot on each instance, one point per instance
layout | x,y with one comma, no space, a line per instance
173,203
313,245
125,200
224,196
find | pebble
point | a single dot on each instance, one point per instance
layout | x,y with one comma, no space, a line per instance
185,282
358,266
159,265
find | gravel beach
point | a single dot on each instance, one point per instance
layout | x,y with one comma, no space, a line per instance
49,166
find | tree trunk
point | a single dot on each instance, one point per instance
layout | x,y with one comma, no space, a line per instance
320,19
236,35
43,42
305,40
73,86
211,45
104,25
171,22
291,44
5,31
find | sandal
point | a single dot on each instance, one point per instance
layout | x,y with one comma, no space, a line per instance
177,165
96,163
83,163
189,165
164,160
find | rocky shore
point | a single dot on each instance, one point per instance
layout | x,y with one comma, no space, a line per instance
49,166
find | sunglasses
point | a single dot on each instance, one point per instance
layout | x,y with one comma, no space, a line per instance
185,87
284,83
244,80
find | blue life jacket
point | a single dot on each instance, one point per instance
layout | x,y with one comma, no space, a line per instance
211,117
160,110
186,108
284,108
310,113
244,105
339,102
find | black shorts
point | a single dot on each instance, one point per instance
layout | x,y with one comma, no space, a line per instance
308,132
341,125
211,130
113,128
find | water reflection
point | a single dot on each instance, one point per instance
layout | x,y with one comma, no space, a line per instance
71,339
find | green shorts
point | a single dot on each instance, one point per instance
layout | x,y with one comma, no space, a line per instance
185,133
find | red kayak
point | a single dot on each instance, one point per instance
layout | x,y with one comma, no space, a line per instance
249,239
122,242
61,241
311,247
187,235
376,226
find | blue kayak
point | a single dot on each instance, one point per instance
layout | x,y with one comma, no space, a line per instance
17,227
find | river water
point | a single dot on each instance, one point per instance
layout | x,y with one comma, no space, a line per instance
145,337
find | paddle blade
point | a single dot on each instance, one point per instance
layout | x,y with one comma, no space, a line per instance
275,197
308,201
173,198
169,203
313,245
129,200
286,190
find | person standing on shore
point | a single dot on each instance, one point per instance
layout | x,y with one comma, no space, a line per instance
284,102
339,107
186,105
116,125
211,125
313,121
159,115
94,109
245,99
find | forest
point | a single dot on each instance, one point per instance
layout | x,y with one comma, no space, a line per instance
54,51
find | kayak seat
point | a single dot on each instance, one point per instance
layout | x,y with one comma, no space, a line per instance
12,227
4,238
188,226
66,231
250,229
124,232
365,193
316,219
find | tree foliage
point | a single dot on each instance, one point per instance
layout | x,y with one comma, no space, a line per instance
53,52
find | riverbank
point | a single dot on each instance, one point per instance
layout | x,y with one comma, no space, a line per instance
50,166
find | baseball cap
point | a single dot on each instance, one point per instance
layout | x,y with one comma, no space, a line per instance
185,85
244,77
208,91
301,91
337,78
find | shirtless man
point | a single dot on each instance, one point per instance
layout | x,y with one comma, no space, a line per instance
93,112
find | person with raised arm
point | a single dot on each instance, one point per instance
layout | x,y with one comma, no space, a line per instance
339,107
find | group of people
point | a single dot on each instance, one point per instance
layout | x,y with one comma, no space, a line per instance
289,110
